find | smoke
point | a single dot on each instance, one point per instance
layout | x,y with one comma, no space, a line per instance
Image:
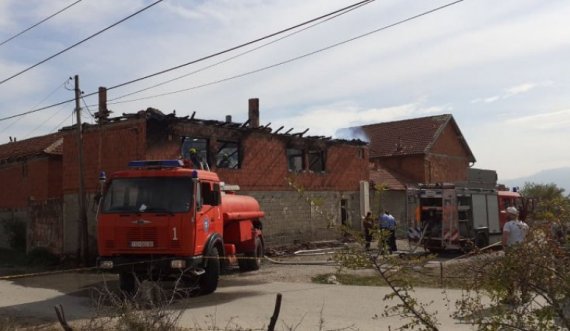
352,133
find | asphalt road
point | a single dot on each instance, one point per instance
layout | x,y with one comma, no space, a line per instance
244,300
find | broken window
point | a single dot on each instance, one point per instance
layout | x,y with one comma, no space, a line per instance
199,145
227,155
316,161
295,159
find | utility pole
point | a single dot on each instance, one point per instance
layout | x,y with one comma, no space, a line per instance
82,234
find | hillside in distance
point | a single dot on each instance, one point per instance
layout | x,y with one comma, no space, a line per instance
558,176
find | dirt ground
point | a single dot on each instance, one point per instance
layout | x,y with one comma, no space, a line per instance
280,266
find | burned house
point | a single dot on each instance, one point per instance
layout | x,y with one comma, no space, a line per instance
305,184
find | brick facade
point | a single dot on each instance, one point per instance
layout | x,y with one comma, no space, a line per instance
109,147
32,179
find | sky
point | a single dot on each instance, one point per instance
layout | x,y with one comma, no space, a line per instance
501,68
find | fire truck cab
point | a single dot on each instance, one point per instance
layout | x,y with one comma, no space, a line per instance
164,220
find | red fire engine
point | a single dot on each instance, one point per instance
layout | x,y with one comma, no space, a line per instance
163,219
453,217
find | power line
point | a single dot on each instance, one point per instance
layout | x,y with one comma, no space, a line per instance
44,122
40,22
243,53
195,61
80,42
250,72
235,47
60,123
295,58
36,110
39,103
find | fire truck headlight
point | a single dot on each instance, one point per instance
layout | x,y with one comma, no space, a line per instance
178,264
106,265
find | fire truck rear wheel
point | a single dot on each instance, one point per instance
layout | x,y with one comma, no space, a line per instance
482,240
128,283
252,260
209,280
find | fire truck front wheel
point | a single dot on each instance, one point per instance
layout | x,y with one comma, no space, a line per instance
128,283
209,280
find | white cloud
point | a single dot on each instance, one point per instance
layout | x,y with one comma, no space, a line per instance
545,121
523,88
512,91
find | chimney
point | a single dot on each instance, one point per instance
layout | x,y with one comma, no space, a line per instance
228,118
103,114
254,113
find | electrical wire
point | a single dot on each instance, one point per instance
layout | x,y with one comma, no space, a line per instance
39,103
80,42
194,61
244,53
60,123
88,110
236,47
43,123
40,22
294,58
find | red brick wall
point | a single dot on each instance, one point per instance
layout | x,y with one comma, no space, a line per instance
19,188
446,169
446,162
412,166
264,161
448,143
264,167
109,149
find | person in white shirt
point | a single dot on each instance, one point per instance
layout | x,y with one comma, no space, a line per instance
514,233
515,230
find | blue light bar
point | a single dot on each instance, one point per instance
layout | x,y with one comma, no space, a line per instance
156,164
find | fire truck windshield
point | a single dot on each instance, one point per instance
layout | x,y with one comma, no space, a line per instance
148,195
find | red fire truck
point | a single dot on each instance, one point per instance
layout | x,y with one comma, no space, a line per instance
453,217
162,219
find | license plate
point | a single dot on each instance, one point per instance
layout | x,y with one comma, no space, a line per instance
142,244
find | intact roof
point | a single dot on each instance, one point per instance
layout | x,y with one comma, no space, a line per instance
410,137
49,144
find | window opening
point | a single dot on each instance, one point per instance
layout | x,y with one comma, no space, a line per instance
295,159
317,161
227,155
343,212
210,193
196,150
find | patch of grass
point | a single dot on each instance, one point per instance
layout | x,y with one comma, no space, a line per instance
453,277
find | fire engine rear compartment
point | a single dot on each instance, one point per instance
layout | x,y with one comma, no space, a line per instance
458,217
